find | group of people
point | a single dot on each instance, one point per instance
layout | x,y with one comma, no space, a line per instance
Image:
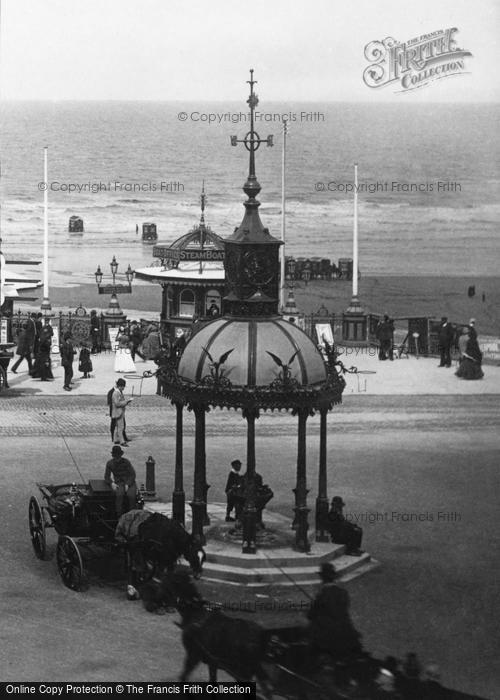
135,342
470,355
237,485
33,345
68,353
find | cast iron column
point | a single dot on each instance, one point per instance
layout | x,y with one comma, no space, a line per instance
249,509
198,504
301,491
322,534
178,496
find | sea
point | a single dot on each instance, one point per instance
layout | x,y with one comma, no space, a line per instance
428,181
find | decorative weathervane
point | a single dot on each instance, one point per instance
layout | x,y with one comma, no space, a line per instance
252,140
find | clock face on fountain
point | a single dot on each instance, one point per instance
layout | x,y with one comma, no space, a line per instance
258,267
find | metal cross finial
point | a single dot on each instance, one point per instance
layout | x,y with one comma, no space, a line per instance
252,140
203,200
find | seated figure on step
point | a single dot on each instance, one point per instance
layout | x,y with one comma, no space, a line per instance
341,530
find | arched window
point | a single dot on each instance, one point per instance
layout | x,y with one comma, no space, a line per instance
186,303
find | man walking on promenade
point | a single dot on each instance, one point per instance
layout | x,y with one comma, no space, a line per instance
118,405
112,424
445,339
135,341
24,349
120,475
68,353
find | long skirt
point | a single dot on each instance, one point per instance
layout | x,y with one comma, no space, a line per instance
469,369
42,368
124,361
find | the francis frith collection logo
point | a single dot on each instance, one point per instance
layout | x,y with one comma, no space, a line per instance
414,63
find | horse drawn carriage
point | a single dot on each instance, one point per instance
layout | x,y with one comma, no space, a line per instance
85,520
5,357
278,655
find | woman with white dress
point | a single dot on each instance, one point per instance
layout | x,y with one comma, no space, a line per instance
123,355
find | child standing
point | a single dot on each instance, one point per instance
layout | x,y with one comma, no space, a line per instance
84,362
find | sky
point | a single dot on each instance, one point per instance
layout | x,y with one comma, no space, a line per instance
193,50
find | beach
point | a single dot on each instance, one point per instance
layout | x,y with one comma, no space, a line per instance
399,296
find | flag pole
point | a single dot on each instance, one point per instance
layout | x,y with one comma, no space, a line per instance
355,237
46,305
283,204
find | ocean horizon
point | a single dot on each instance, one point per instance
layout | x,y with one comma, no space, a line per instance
428,178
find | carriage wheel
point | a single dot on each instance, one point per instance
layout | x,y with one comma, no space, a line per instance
3,378
37,528
69,563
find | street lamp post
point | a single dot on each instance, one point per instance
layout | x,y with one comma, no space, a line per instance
114,316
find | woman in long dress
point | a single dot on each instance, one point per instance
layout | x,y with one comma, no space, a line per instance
470,356
42,368
123,355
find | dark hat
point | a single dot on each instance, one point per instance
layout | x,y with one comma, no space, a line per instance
116,451
327,571
338,500
236,463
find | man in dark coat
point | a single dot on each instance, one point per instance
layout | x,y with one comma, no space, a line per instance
136,338
331,630
342,531
24,349
38,332
68,353
31,330
120,474
385,334
95,332
234,480
446,334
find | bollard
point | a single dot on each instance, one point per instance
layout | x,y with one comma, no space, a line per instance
150,493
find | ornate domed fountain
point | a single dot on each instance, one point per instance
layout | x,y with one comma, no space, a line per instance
253,360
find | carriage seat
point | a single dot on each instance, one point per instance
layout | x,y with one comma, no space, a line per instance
99,487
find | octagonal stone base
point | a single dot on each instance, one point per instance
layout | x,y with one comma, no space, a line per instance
275,563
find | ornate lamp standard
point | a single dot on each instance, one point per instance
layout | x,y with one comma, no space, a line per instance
113,316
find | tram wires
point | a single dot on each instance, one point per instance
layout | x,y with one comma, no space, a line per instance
61,435
292,580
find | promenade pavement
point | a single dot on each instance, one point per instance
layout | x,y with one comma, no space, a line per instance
405,376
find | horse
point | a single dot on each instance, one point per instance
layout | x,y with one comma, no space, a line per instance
165,541
156,548
234,645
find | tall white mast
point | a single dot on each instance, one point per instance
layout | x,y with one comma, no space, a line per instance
355,237
282,251
46,305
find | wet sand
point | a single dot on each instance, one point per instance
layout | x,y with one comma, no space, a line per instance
399,296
